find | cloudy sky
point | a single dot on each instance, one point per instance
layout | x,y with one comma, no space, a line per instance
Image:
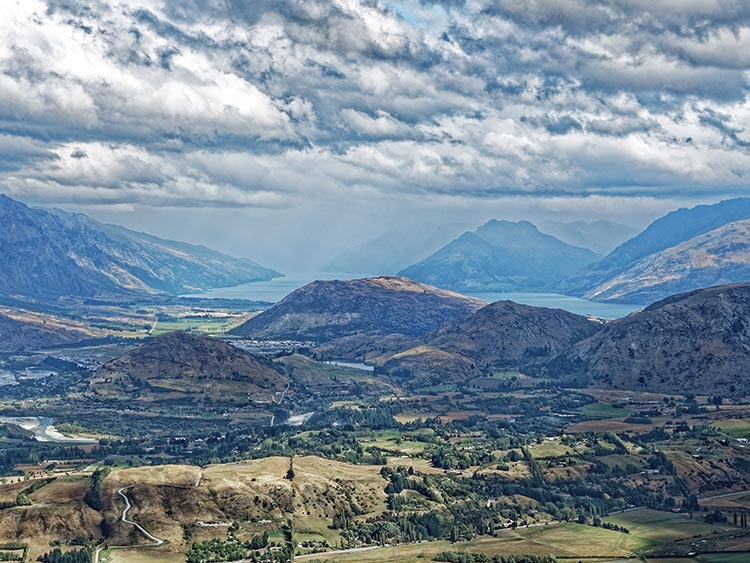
286,129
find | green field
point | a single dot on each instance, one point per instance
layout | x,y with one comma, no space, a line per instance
661,527
394,440
212,325
737,428
569,541
549,448
566,541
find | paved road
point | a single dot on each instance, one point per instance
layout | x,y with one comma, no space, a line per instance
725,495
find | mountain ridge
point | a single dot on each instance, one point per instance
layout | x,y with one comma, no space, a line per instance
47,254
673,229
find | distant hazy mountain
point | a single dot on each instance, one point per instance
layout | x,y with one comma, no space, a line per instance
719,257
45,254
670,256
697,342
600,236
359,318
392,251
179,366
500,256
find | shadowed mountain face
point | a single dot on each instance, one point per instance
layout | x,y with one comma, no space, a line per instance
348,317
696,342
671,255
45,254
506,333
500,256
179,365
500,335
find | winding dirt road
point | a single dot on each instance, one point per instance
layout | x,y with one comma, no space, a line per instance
124,518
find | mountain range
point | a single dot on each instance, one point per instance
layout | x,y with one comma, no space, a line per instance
46,254
423,336
684,250
500,256
697,341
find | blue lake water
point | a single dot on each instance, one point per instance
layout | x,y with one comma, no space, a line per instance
275,290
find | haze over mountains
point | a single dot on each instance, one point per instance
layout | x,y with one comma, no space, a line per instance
394,250
500,256
46,254
600,236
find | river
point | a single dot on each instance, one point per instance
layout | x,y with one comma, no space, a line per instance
44,430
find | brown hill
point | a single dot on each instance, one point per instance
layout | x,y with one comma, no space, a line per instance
694,342
180,365
20,330
351,318
425,366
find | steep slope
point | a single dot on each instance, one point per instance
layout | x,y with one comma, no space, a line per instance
180,366
45,254
358,314
500,256
669,231
30,333
506,333
697,342
392,251
719,257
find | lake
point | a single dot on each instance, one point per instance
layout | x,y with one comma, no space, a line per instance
277,289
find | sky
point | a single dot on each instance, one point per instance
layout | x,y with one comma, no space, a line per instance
286,130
